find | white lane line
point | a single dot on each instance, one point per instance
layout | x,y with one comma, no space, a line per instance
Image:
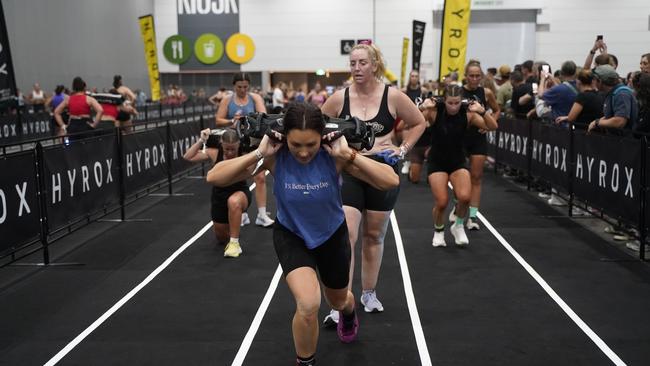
576,319
70,346
127,297
420,341
255,325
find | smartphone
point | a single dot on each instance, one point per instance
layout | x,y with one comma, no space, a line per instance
546,68
534,88
599,37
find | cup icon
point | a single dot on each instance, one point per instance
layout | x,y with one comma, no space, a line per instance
208,49
241,49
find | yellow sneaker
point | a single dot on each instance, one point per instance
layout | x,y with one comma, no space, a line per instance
233,250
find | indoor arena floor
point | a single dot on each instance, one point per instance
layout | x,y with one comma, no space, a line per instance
534,287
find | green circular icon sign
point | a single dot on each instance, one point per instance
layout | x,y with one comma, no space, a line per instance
208,48
177,49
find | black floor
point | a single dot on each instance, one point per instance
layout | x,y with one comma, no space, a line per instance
477,305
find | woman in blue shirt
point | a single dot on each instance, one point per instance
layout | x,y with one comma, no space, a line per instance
310,234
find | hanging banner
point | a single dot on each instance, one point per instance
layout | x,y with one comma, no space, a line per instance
149,38
19,212
7,78
80,178
418,38
453,42
405,50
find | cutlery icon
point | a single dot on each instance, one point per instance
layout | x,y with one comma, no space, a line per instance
174,49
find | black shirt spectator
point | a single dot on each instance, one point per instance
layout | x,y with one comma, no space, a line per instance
518,92
592,106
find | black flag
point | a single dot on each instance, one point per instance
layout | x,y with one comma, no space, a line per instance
418,38
7,78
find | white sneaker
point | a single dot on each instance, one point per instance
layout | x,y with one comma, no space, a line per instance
452,215
458,232
332,318
577,211
554,201
473,224
264,221
244,219
370,302
636,246
439,239
406,167
543,195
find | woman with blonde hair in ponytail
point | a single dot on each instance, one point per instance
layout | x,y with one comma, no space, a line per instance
378,105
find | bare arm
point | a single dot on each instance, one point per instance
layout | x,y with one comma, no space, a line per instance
259,103
478,117
213,99
128,93
222,113
227,172
575,111
57,113
492,103
380,176
196,153
409,113
333,105
99,111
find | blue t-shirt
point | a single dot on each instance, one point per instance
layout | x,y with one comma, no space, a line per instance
243,109
560,98
308,196
620,102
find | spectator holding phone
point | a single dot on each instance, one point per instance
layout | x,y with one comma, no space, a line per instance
559,97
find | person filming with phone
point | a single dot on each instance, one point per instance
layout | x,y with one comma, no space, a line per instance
559,97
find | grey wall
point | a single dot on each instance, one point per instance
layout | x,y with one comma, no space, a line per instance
52,41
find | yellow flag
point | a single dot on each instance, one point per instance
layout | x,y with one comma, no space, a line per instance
150,54
405,51
453,45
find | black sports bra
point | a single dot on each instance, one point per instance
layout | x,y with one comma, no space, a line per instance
382,123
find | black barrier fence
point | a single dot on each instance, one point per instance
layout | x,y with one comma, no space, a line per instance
32,126
53,188
606,172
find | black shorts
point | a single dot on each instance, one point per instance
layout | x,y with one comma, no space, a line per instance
447,166
123,116
475,143
219,207
80,128
362,196
331,260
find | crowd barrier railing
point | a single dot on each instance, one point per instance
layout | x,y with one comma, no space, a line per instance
606,172
52,186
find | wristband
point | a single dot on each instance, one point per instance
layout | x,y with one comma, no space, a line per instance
592,52
597,120
258,154
352,156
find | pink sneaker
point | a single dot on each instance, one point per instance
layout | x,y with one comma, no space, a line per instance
347,335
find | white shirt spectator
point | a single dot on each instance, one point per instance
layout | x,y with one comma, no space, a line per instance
278,98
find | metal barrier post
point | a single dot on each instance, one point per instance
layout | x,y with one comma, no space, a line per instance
529,160
571,170
642,203
42,205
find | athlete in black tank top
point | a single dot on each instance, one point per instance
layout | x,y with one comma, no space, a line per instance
414,94
382,123
476,142
446,160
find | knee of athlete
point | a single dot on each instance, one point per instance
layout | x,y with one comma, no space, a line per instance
476,177
233,203
374,236
308,309
463,197
338,304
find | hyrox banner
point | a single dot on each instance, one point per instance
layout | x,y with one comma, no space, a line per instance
601,178
453,43
208,36
19,212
